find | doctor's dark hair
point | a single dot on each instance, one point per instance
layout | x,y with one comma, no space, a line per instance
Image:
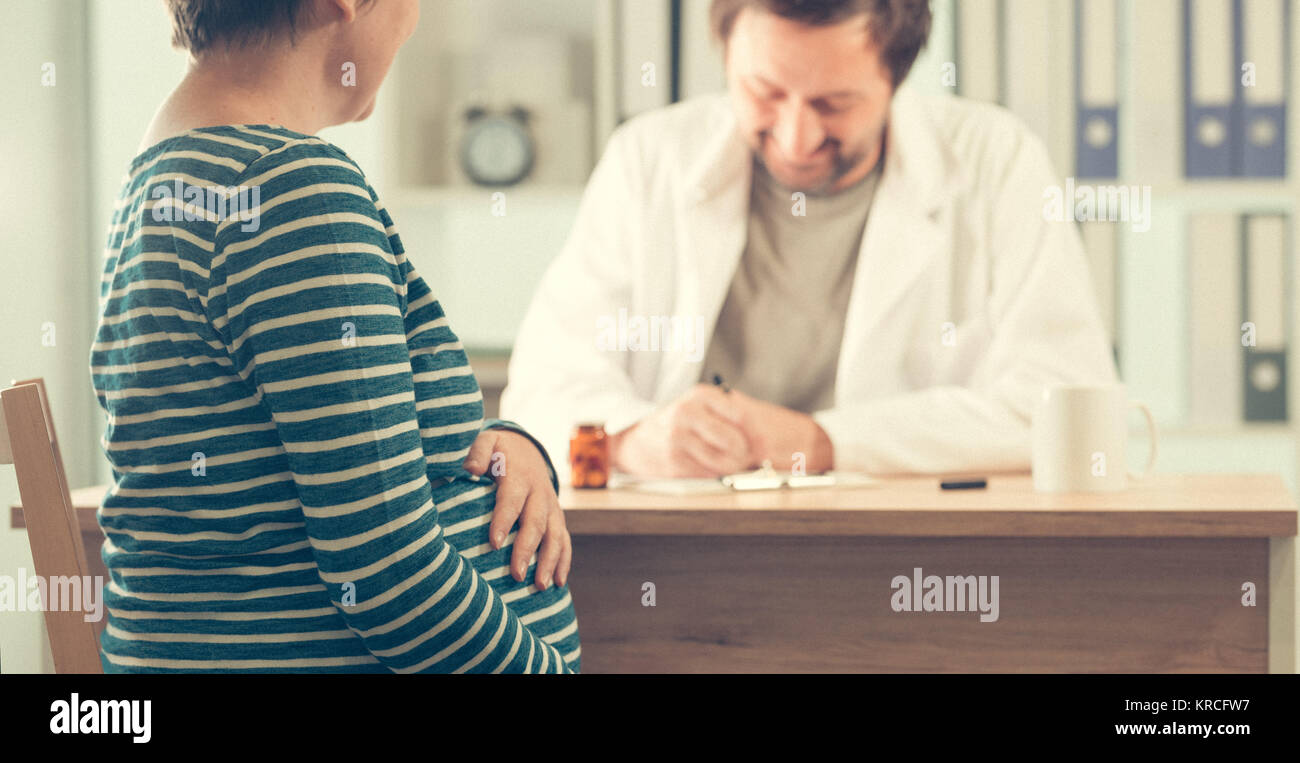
899,27
198,25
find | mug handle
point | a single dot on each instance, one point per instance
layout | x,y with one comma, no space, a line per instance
1151,431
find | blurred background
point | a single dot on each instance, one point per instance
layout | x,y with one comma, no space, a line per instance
1143,94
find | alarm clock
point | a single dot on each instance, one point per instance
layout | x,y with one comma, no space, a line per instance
497,148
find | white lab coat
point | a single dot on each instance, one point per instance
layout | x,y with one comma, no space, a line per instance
956,235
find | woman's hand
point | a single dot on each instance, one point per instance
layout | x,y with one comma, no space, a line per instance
523,487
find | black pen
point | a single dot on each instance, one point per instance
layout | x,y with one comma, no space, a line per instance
718,382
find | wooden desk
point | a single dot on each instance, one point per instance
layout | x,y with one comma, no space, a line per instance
86,502
1149,580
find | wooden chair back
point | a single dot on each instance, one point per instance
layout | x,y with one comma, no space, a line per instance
27,441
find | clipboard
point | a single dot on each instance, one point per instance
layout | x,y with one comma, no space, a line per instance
765,478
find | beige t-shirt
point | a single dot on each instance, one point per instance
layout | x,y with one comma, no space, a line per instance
779,333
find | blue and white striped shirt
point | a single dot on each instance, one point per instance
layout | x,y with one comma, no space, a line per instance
288,411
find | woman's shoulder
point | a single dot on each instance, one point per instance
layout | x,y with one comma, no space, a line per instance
297,178
232,162
300,158
243,154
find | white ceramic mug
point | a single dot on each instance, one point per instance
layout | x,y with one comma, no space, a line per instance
1080,434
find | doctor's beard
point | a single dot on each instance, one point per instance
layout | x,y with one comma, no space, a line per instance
841,166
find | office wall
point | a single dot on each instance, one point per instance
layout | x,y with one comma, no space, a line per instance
44,253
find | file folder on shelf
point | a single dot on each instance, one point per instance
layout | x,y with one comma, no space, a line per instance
1211,115
1265,275
1214,319
1153,85
701,61
979,37
1262,125
1096,83
1100,244
1036,72
645,55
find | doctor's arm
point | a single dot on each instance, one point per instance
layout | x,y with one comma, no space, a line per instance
561,373
1046,328
557,374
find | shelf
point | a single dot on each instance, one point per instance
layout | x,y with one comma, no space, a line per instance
1251,429
544,55
460,195
1227,193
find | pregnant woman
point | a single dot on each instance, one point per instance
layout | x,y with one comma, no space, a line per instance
304,481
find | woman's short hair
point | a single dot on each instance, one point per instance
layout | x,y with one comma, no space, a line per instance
899,27
198,25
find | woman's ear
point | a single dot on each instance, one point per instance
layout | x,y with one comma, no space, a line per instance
342,10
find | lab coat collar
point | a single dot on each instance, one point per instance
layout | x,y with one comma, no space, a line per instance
907,235
712,237
726,161
914,155
905,228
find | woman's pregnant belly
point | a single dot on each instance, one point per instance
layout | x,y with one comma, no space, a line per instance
465,505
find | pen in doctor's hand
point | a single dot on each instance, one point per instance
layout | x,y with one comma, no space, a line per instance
726,390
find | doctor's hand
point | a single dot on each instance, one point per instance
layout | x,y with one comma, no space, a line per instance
702,434
786,437
524,492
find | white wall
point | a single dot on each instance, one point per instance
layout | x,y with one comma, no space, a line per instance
44,250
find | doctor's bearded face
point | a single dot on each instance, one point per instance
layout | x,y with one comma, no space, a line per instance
812,101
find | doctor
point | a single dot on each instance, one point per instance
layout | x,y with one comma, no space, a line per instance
869,270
